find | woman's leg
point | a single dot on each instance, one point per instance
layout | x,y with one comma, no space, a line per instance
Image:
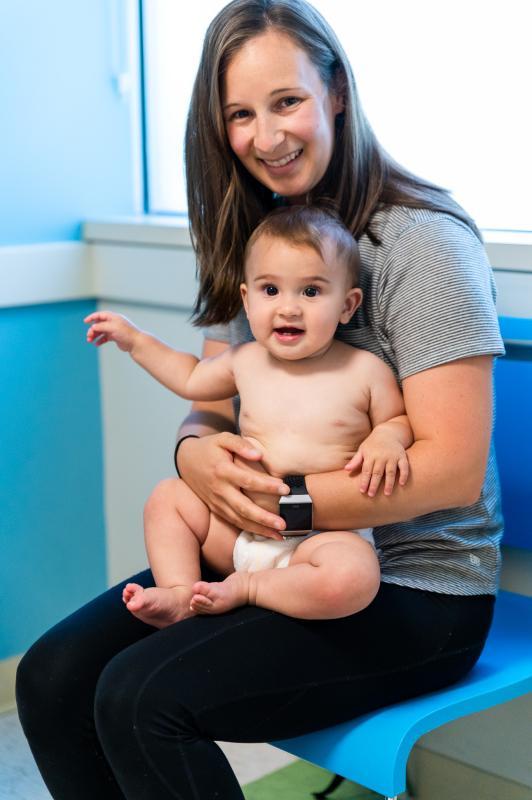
56,682
255,675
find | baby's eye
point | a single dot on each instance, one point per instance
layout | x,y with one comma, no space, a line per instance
311,291
270,290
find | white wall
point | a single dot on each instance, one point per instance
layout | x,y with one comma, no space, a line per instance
140,421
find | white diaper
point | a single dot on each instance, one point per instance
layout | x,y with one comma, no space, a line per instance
253,552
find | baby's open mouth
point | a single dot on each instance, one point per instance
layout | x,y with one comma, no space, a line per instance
288,332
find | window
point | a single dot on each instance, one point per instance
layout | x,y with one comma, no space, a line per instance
446,87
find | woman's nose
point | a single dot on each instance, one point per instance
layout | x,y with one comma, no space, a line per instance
268,136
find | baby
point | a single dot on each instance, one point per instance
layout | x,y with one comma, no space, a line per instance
309,404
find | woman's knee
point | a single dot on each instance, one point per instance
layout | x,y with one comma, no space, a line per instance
132,701
45,681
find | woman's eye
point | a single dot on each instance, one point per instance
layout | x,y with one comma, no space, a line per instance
311,291
287,102
240,114
271,291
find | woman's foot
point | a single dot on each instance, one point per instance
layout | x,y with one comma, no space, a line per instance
215,598
157,606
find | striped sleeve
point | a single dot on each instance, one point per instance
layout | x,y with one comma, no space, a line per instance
437,296
220,333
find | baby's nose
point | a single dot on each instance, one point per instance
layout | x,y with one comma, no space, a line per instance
290,308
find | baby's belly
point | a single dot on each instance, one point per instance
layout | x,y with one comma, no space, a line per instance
285,455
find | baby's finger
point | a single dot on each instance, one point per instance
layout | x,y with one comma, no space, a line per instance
404,470
389,477
355,462
376,478
99,328
365,475
97,316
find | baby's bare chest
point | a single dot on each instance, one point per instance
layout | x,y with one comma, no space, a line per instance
298,402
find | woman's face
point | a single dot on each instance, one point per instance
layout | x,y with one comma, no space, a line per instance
279,115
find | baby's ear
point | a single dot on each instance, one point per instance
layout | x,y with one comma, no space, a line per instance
352,301
244,296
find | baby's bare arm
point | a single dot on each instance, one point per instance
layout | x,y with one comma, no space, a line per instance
182,373
383,453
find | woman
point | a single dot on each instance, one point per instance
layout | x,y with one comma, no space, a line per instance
113,708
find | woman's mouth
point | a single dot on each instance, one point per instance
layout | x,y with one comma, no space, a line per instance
284,164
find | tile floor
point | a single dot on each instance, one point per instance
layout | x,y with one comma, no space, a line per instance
20,779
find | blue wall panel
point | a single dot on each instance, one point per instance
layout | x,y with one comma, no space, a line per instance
52,536
513,441
65,138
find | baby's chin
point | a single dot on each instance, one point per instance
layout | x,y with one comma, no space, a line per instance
286,353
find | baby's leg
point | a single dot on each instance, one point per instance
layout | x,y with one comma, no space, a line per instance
176,525
330,575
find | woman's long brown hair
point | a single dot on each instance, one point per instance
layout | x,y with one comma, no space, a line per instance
225,203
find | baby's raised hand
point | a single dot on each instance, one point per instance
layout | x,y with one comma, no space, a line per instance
380,456
106,326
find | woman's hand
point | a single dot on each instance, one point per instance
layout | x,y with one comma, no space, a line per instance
224,470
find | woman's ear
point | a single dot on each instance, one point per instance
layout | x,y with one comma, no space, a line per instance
338,104
352,301
338,92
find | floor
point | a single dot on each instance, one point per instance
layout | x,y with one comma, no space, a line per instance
20,779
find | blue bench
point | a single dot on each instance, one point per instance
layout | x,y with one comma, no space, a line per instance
373,750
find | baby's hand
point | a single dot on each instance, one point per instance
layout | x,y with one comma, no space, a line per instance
381,455
109,327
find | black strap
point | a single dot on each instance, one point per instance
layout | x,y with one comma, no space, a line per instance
296,483
178,445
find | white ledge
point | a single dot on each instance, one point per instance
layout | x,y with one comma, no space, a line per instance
44,273
507,250
149,260
146,229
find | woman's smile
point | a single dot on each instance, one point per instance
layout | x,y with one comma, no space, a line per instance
279,166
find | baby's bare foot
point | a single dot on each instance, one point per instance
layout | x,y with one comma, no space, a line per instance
215,598
157,606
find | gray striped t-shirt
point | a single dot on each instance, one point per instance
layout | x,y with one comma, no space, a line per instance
429,298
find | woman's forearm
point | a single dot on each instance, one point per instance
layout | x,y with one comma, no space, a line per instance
433,484
204,422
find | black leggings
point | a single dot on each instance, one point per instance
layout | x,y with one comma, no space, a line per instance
113,708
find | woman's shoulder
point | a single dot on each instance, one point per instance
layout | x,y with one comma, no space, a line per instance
419,239
392,224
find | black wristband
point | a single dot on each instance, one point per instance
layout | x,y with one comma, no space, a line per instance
178,445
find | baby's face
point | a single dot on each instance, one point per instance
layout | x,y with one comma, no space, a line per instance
294,300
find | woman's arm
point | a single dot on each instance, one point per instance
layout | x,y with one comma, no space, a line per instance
450,411
208,467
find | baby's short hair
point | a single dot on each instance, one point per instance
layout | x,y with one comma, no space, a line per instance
310,226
